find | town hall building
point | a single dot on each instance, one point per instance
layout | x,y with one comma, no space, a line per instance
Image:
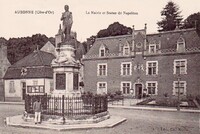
141,63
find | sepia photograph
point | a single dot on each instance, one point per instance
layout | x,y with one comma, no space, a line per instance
99,66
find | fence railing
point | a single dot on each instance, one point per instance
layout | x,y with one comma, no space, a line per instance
68,106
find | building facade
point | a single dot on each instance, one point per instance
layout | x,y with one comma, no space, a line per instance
145,64
31,75
4,64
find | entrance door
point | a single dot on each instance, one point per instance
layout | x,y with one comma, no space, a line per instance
23,90
138,91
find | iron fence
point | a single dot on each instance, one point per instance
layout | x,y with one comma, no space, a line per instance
68,106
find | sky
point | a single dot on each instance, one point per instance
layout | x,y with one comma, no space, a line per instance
89,16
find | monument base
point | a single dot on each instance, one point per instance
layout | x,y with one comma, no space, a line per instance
83,119
58,93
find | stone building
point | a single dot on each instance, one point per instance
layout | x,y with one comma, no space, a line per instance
144,63
4,64
31,75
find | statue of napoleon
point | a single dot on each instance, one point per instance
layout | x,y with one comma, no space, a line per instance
67,23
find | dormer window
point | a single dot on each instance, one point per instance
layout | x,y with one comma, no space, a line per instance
102,51
180,45
126,50
152,48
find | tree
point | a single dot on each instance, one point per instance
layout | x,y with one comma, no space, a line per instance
113,30
88,44
193,21
18,48
171,17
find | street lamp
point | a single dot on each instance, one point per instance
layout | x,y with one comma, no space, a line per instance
179,78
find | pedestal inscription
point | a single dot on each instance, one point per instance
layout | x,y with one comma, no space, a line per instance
61,81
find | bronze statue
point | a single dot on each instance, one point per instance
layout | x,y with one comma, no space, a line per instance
67,22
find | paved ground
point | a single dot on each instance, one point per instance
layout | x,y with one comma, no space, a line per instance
138,122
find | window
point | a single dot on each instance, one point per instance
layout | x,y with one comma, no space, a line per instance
11,87
152,67
102,52
125,87
35,82
181,86
102,69
180,66
126,50
126,68
139,45
152,48
151,87
120,47
101,88
180,45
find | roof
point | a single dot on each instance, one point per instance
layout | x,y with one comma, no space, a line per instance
112,44
167,39
36,65
49,47
37,58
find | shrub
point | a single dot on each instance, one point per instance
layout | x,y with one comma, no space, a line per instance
167,101
198,98
118,92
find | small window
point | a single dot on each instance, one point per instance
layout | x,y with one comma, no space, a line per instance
152,48
126,50
139,45
180,45
11,87
102,52
35,82
101,88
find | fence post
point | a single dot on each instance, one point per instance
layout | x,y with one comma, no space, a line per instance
63,109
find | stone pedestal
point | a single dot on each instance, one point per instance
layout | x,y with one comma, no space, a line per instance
66,71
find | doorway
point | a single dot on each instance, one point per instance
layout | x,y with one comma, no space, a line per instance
23,90
138,91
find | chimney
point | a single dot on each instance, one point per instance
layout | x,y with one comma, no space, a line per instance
145,26
145,38
133,38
